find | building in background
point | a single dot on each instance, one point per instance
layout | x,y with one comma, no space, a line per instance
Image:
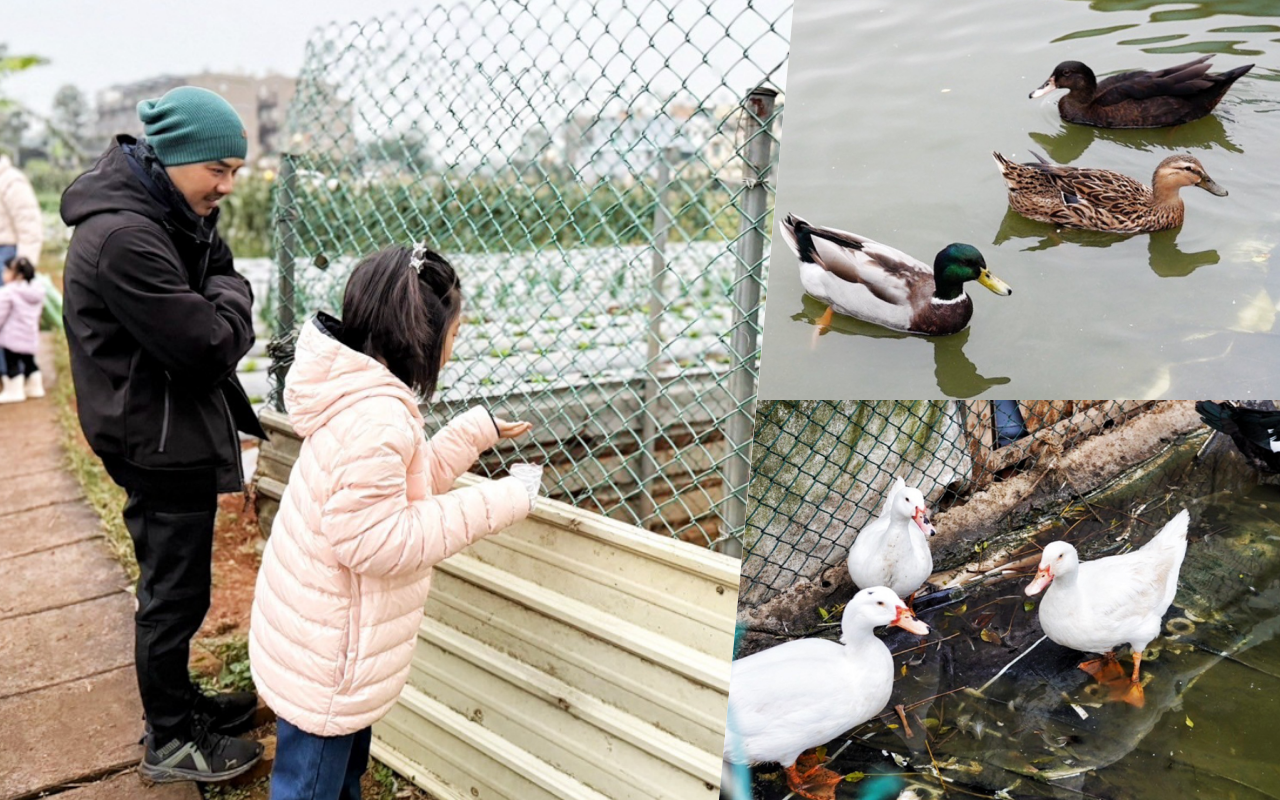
262,103
695,139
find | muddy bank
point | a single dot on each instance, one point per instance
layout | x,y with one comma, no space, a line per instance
988,525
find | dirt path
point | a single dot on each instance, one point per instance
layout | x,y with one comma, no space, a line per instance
70,716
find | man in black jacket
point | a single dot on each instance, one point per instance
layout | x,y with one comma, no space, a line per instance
157,319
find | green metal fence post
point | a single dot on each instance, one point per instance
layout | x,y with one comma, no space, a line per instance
286,247
657,306
757,148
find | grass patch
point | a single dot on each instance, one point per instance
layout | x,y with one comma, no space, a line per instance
100,492
233,653
249,791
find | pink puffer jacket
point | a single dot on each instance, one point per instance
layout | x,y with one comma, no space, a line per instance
20,305
366,514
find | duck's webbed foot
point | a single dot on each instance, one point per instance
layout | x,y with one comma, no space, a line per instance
1104,670
809,779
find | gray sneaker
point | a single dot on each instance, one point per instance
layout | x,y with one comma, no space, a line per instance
207,758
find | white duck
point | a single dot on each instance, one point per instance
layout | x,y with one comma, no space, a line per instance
1099,605
802,694
893,549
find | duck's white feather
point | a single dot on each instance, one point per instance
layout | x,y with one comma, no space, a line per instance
891,551
873,282
1117,600
804,693
787,699
853,299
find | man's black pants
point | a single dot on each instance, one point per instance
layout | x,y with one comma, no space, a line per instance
173,539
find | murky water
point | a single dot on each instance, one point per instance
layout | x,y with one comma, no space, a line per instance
1210,727
893,110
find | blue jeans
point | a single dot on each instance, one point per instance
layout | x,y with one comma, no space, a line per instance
7,254
310,767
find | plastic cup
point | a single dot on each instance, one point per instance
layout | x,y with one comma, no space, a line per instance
530,475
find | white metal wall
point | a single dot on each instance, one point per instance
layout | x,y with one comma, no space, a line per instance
571,656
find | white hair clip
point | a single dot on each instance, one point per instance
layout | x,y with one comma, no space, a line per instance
419,257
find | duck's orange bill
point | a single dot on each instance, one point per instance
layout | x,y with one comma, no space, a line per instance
908,622
1044,576
921,518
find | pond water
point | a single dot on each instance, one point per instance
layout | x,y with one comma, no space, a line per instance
1211,722
893,110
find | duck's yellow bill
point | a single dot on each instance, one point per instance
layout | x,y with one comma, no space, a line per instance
994,284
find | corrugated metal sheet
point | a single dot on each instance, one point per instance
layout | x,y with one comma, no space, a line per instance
571,656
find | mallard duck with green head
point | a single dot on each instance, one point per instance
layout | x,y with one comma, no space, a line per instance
1101,200
864,279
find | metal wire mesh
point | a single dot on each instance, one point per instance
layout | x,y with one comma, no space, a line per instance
820,469
598,173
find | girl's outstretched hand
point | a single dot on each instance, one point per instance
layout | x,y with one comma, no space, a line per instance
510,430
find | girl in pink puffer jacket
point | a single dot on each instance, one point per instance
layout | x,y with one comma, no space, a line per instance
21,303
366,514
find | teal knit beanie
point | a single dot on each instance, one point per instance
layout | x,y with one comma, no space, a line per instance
190,125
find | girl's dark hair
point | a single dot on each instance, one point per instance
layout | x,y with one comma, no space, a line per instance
400,315
23,267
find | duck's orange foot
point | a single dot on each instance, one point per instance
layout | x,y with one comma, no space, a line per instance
1104,670
910,600
1135,696
824,321
809,779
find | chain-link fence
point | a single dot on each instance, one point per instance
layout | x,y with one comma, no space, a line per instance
820,469
599,174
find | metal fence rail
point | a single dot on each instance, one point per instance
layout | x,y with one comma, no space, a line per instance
821,469
599,174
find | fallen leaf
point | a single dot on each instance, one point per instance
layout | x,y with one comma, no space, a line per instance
1190,724
1028,605
854,777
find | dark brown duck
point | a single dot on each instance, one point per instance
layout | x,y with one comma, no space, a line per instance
1139,99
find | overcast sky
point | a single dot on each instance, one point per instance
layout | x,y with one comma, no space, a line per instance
97,44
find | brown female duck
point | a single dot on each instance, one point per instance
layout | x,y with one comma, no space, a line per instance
1099,200
1139,99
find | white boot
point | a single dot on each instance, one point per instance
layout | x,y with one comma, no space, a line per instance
13,391
35,385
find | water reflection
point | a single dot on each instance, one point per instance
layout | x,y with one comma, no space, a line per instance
1071,141
1183,10
1163,255
1168,261
1086,34
956,375
1213,46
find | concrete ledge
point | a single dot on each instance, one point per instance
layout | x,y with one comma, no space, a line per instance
47,527
59,577
51,647
95,723
128,786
